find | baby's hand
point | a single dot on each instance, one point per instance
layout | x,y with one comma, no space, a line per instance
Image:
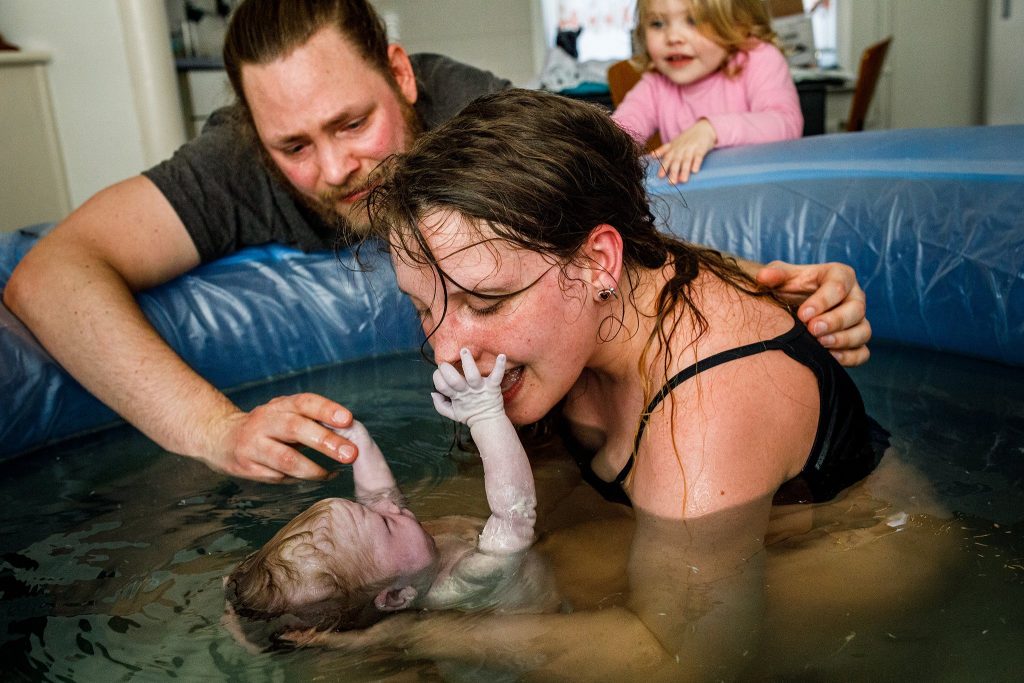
472,398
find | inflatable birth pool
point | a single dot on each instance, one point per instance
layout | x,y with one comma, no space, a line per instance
931,220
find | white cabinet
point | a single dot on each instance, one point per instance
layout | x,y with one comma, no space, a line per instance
33,183
203,91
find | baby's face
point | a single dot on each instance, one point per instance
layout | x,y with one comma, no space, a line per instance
382,542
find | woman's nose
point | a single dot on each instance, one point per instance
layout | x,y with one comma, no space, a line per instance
447,340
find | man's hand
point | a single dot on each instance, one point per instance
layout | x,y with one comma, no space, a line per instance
832,305
260,444
685,154
472,398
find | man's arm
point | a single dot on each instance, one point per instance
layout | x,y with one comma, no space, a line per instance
508,479
831,303
74,290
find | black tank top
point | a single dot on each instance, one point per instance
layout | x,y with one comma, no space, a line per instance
847,445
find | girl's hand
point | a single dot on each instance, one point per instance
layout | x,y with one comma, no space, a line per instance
685,154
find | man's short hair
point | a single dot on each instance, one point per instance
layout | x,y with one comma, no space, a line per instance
262,31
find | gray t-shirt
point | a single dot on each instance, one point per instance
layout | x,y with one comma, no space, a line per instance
222,191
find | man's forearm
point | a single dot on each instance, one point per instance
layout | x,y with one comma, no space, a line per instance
89,321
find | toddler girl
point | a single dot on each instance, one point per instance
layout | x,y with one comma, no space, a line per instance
716,77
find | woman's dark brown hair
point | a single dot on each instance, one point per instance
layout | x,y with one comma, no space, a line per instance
541,171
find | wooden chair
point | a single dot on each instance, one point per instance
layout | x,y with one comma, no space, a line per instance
621,77
867,79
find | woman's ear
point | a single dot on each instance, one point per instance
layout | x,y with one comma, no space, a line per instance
603,250
401,69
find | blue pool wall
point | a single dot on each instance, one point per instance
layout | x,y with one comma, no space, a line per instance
932,221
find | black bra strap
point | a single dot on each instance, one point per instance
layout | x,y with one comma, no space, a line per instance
775,344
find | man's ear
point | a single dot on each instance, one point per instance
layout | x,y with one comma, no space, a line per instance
394,599
401,69
603,250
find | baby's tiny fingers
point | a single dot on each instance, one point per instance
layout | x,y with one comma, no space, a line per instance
469,368
443,405
497,372
453,378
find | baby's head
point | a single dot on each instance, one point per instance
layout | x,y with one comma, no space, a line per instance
338,565
730,25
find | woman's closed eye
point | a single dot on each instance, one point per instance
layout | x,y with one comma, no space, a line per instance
488,306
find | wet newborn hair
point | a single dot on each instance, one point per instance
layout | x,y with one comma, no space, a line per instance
285,585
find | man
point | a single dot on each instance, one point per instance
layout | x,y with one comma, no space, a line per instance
322,99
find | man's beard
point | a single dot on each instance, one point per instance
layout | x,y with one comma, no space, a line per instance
325,204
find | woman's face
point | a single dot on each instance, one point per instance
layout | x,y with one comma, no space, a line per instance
534,311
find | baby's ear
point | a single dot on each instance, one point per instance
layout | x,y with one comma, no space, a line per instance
394,599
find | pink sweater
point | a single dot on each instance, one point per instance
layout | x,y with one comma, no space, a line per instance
758,105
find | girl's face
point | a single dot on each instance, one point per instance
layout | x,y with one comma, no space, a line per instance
534,311
676,48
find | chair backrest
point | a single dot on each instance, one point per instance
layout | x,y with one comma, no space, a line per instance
621,77
867,79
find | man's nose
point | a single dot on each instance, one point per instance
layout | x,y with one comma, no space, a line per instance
336,164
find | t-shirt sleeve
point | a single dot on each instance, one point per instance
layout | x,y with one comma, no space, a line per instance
226,197
637,114
445,86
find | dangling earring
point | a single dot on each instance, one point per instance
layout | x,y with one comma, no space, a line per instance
607,293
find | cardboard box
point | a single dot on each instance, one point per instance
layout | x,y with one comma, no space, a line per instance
784,8
797,35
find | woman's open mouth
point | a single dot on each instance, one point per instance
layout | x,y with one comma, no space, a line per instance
511,383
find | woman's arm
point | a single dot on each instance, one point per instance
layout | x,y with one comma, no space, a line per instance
693,612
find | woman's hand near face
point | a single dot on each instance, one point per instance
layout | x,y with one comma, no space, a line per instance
685,154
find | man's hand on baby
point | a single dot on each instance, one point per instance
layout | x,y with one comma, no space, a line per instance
468,397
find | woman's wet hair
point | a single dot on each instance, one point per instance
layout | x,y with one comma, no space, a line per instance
539,172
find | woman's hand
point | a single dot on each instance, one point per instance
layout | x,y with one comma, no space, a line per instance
685,154
832,305
391,632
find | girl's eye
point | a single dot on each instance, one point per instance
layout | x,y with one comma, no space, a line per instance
293,150
656,23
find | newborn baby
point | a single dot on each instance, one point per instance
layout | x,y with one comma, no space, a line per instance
344,564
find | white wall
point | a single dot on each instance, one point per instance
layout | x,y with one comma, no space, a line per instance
497,35
935,70
90,76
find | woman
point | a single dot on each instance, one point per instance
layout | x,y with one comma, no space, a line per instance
522,227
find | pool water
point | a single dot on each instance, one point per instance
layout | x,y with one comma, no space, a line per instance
112,551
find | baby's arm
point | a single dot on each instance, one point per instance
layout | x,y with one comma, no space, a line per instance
370,470
508,479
